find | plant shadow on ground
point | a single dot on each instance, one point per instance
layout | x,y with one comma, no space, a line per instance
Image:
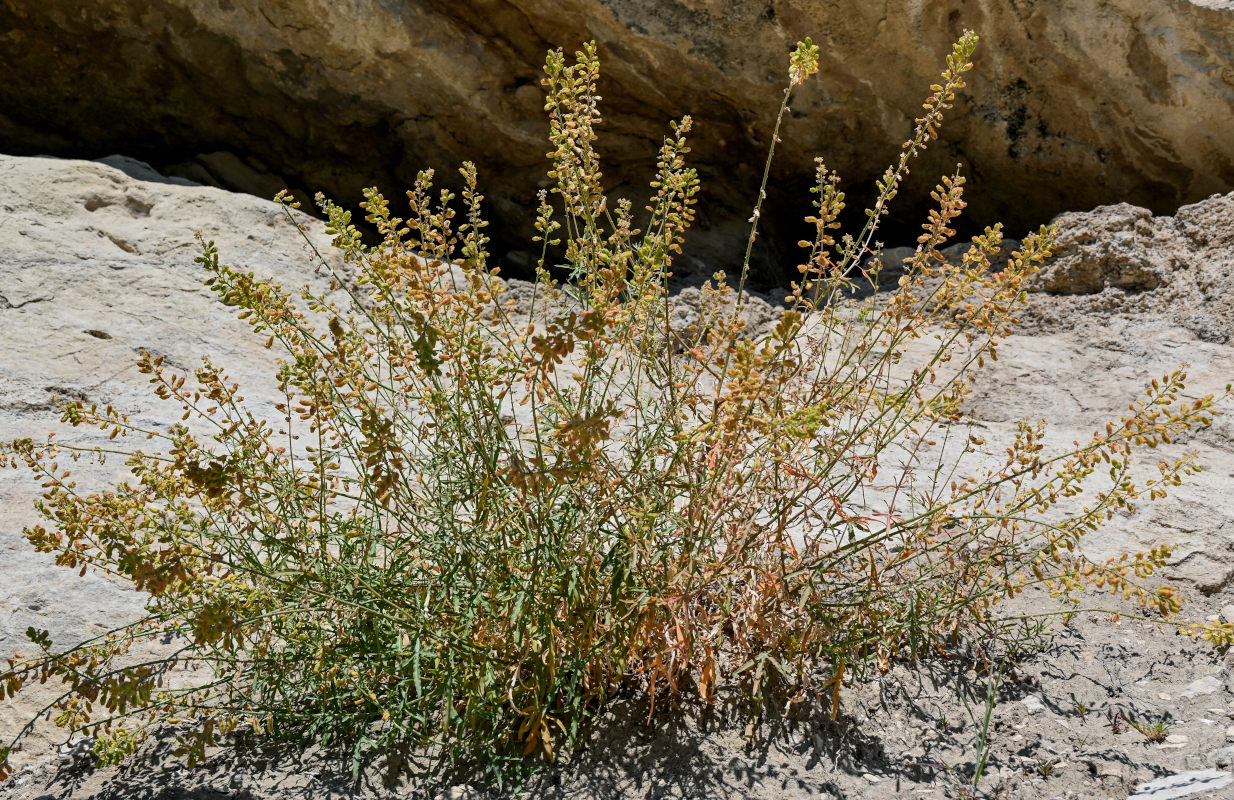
697,750
287,770
690,750
712,751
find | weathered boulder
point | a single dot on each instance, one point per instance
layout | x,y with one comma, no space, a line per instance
1122,258
96,264
1119,247
1073,103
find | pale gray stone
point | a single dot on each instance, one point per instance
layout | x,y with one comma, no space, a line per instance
1209,684
1183,784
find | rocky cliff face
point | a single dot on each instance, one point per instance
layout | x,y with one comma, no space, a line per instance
1074,103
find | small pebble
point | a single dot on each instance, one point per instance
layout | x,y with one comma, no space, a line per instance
1229,733
463,792
1176,738
1032,704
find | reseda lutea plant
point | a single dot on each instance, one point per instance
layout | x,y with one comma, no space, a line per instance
476,520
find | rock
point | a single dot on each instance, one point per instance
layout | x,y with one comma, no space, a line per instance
78,751
1222,757
1209,684
461,792
686,309
1117,246
96,265
1032,704
1067,108
1122,258
140,170
226,169
891,263
1110,769
1182,784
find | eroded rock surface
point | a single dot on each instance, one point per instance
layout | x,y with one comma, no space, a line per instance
1073,103
1122,258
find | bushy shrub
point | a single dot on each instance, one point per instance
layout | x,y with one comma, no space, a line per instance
476,520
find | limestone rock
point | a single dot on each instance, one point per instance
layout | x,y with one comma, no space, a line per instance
1122,258
1209,684
686,310
1118,246
1183,784
1073,103
96,264
1222,757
